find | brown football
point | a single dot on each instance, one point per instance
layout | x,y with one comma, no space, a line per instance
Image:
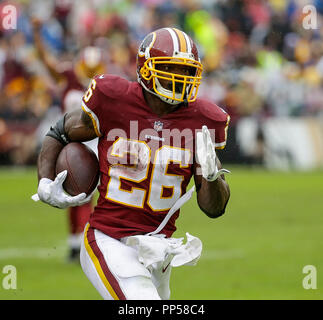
82,168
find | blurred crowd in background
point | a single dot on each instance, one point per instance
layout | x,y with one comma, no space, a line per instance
259,60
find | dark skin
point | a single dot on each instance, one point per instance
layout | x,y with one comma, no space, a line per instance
212,197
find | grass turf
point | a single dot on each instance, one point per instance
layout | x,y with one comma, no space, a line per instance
272,228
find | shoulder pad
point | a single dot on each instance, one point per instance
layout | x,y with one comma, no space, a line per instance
112,86
211,111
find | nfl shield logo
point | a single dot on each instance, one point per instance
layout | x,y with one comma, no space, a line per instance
158,126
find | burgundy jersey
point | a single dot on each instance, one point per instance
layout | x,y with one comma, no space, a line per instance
73,91
146,161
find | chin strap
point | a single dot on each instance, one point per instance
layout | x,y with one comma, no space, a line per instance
164,99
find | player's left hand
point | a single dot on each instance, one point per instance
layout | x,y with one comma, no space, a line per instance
207,156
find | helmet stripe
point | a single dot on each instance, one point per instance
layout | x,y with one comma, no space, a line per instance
182,40
189,47
174,38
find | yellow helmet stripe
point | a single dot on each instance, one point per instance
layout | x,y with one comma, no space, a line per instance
182,40
174,38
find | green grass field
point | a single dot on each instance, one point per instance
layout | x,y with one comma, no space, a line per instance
273,227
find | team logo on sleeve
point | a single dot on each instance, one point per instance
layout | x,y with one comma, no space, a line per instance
158,126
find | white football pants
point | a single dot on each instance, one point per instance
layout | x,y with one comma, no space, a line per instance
115,271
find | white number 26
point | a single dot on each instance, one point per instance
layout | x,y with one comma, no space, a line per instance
160,178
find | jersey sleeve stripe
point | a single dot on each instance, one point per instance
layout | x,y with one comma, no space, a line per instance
101,267
221,145
94,119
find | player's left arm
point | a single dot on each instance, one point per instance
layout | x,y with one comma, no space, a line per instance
213,191
212,196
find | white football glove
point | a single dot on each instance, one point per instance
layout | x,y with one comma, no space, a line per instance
207,156
52,192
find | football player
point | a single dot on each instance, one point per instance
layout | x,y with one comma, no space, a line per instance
154,135
75,79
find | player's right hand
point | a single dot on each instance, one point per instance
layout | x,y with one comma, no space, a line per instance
52,193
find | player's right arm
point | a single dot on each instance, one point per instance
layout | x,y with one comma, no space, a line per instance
77,126
74,126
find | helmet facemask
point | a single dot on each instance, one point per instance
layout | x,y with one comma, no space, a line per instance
173,88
